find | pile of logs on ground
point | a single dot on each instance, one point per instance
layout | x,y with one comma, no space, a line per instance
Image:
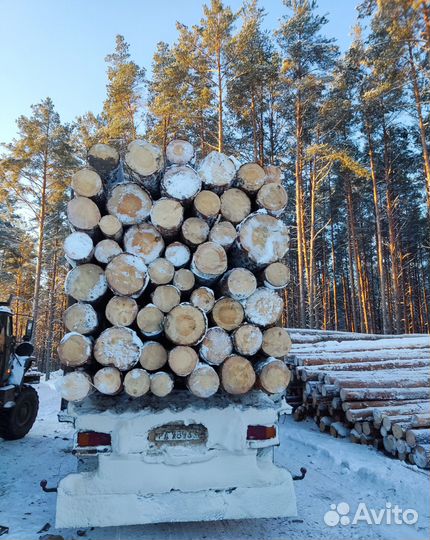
373,389
177,275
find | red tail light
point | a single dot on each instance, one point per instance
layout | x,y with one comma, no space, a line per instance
92,438
261,433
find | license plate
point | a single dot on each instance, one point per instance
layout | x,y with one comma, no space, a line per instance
172,434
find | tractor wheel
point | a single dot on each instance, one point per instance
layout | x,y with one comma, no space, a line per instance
17,421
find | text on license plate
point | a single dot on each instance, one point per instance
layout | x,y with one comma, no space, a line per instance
178,434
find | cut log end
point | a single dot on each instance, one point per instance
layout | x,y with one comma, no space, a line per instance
178,254
181,182
185,325
273,198
207,205
75,386
153,356
167,216
228,313
276,276
106,250
86,283
118,346
203,381
150,320
209,261
203,298
237,375
127,275
166,297
121,310
217,171
161,384
161,271
136,383
235,205
111,227
276,342
103,158
145,241
216,346
179,152
129,203
238,283
78,247
182,360
81,318
274,376
144,158
108,381
247,339
87,183
194,231
264,307
224,234
83,214
184,280
251,177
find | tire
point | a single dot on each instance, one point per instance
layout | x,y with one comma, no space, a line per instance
17,421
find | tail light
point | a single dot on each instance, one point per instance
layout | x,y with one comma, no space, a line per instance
261,433
93,438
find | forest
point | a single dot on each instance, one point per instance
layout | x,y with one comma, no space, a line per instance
350,131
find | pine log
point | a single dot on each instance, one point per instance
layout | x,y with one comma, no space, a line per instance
216,346
118,346
185,325
106,250
421,455
181,182
166,297
86,283
167,216
179,152
384,365
74,349
352,405
81,318
182,360
227,313
209,262
161,384
356,394
111,227
419,420
247,339
412,408
276,342
145,241
143,162
416,437
108,381
83,214
104,159
273,198
129,203
150,320
203,298
238,283
273,174
194,231
161,271
224,234
75,386
87,183
178,254
207,206
127,275
264,307
313,359
391,379
121,311
237,375
203,381
329,390
276,276
153,356
217,171
273,375
235,205
78,248
136,383
250,177
184,280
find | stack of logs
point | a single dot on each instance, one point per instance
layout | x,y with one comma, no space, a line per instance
177,275
372,391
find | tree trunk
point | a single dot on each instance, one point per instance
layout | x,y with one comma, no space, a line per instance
145,241
105,160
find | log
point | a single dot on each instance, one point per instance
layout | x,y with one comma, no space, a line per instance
207,206
235,205
250,177
303,359
143,162
276,342
273,174
121,311
87,183
262,239
106,250
181,182
237,375
86,283
384,365
145,241
416,437
216,346
75,386
178,254
203,381
182,360
136,383
167,216
273,375
412,408
264,307
419,420
150,320
276,276
247,339
74,349
238,283
356,394
127,275
209,262
194,231
166,297
421,455
78,248
203,298
223,233
161,383
184,280
185,325
81,318
108,381
129,203
153,356
83,214
217,171
227,313
273,198
118,346
161,271
104,159
111,227
179,152
391,379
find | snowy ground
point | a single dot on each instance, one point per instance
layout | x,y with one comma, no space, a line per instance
338,471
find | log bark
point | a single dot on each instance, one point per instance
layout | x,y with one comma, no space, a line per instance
143,162
129,203
185,325
145,241
153,356
108,380
104,159
161,384
238,283
111,227
421,455
247,339
166,297
181,182
273,174
227,313
87,183
235,205
391,379
357,394
150,320
179,152
250,177
418,420
207,206
216,346
217,171
223,233
106,250
264,307
83,214
167,216
75,386
178,254
183,360
184,280
118,346
86,283
78,248
276,276
416,437
273,198
121,311
237,375
161,271
74,350
412,408
136,383
276,342
203,381
209,262
203,298
273,375
127,275
81,318
194,231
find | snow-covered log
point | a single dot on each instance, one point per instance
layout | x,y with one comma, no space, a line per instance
81,318
104,159
78,248
106,250
273,198
273,375
276,276
247,339
121,310
250,177
86,283
217,171
264,307
203,381
161,271
203,298
108,380
194,231
136,382
145,241
276,342
185,325
238,283
216,346
74,349
184,280
178,254
75,386
181,182
179,152
129,203
118,346
161,383
127,275
223,233
111,227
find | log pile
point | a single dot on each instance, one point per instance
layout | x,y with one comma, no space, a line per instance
374,391
176,275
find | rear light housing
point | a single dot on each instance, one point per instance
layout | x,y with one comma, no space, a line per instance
261,433
92,442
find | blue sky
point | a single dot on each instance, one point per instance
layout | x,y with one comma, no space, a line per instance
56,47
